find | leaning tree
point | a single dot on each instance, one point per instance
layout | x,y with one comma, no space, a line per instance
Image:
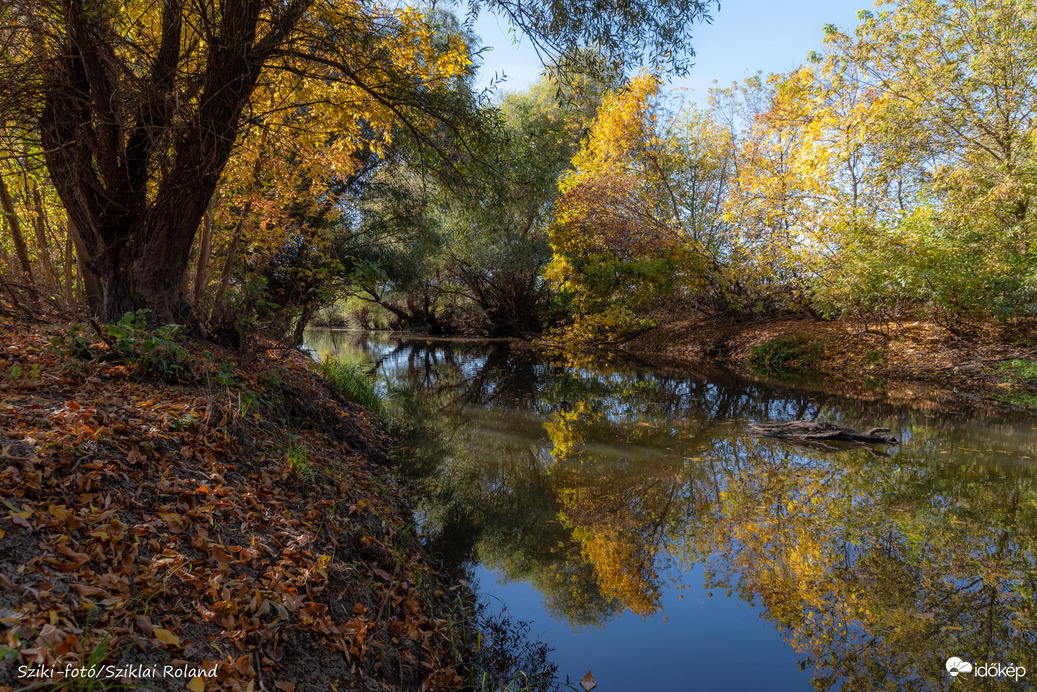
137,104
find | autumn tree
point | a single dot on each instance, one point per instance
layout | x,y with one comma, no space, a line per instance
462,247
139,105
932,100
640,214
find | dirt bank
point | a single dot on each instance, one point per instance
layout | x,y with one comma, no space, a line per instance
989,366
172,518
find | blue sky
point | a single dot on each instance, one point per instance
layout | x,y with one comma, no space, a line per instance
745,36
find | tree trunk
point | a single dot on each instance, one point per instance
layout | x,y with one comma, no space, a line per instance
201,270
146,276
809,430
136,167
15,226
91,294
39,226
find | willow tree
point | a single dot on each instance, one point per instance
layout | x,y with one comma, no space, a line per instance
138,104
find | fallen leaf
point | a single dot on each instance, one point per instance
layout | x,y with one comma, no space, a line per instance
197,684
166,637
587,682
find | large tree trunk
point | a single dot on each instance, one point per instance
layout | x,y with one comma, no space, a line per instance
137,168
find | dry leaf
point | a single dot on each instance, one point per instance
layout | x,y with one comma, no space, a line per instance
197,684
166,637
587,682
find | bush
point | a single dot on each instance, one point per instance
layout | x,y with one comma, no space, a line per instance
149,353
352,381
783,355
1019,371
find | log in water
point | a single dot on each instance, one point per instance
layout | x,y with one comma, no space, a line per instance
808,430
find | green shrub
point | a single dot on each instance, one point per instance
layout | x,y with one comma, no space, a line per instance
783,355
1021,371
149,353
352,381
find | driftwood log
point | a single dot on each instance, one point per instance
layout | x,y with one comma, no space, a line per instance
807,430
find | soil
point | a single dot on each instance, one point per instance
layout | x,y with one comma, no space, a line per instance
917,362
237,523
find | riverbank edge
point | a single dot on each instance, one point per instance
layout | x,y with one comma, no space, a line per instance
914,362
237,522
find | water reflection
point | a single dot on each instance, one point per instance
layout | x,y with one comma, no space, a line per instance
604,486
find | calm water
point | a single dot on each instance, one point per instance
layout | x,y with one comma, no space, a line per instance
623,511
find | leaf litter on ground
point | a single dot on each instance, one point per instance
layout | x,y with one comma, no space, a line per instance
146,524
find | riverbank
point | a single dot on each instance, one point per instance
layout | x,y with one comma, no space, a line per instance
175,518
991,366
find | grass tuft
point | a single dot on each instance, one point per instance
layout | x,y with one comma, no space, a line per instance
783,355
352,381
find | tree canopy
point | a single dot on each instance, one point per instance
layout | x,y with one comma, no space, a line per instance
137,107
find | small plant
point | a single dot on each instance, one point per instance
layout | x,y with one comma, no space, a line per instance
1020,371
31,373
73,343
352,381
876,356
297,457
225,375
89,666
150,353
783,355
505,657
181,423
272,380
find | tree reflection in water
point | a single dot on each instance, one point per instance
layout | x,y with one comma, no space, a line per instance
598,483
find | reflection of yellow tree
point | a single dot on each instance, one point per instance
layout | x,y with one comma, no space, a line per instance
612,540
621,509
566,429
871,577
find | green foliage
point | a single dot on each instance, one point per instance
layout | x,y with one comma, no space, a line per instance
72,343
1018,377
1022,371
352,380
33,373
151,353
297,458
462,248
875,356
783,355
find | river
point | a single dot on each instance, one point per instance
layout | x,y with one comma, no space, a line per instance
624,512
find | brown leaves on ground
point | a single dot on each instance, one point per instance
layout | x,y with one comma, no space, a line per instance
916,362
205,526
